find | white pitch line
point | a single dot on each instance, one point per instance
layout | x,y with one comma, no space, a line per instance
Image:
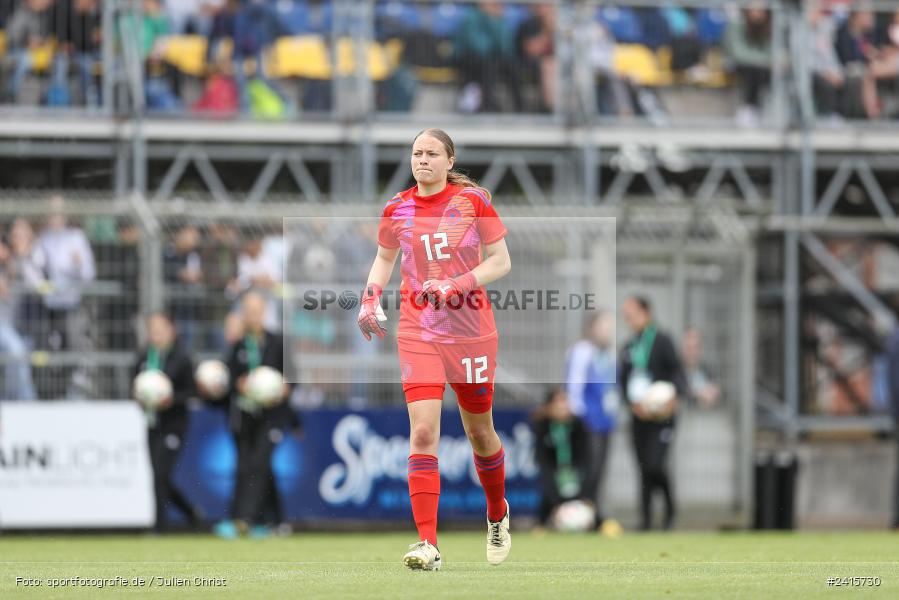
455,562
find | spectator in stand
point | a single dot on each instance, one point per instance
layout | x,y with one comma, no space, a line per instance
192,16
27,260
484,48
686,47
855,38
66,259
855,48
535,43
29,28
589,49
222,27
148,31
6,11
256,27
827,70
747,43
19,385
703,391
883,68
154,26
259,272
79,39
68,263
184,283
219,265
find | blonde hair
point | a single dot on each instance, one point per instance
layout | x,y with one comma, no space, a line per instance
454,177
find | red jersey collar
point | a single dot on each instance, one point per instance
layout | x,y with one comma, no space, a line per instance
445,194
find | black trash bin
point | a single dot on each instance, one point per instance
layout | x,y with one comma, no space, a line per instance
775,489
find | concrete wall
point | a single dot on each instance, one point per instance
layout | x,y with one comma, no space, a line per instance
846,484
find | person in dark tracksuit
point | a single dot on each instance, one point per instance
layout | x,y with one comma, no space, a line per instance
562,450
649,356
257,430
167,426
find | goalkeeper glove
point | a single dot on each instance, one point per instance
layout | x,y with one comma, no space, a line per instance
439,291
370,313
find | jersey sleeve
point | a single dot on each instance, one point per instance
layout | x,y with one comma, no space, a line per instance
386,234
490,226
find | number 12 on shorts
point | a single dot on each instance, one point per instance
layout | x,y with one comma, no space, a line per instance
475,375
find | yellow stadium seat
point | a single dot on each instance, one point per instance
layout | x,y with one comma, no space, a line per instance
42,56
394,48
2,42
187,53
377,57
638,63
436,75
303,56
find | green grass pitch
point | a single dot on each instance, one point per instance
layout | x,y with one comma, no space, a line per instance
677,565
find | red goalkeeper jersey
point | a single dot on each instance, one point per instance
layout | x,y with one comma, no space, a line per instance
441,237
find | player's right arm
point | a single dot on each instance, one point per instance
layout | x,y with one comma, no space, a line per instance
370,312
382,268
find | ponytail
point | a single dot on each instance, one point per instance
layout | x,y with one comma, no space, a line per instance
460,178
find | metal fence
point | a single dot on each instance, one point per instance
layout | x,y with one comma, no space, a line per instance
194,267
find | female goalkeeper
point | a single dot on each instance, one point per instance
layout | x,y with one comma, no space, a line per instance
452,244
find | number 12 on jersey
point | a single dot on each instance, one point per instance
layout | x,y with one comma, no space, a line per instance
480,365
438,246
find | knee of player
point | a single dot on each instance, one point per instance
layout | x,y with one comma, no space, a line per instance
423,435
481,436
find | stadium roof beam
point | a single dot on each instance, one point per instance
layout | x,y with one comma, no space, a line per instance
495,131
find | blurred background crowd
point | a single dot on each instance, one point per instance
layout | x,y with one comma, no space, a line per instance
280,58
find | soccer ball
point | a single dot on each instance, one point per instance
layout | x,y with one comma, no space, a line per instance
265,386
153,389
212,378
658,396
574,515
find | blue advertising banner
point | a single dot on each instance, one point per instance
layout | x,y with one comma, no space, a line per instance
352,465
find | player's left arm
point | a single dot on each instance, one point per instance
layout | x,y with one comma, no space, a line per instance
495,265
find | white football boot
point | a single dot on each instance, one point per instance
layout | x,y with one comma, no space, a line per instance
422,556
499,541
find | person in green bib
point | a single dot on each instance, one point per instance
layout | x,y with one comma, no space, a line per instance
562,450
257,429
649,357
167,426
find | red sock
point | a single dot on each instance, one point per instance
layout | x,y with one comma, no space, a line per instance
492,473
424,491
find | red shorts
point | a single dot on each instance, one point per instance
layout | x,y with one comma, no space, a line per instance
469,368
